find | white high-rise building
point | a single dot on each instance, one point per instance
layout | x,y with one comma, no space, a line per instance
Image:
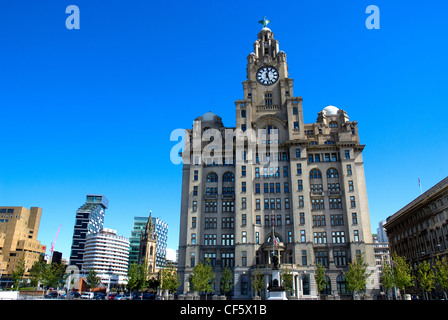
108,254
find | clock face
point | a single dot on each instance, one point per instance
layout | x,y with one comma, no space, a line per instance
267,75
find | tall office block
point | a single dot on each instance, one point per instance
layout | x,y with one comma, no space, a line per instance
273,184
89,219
19,228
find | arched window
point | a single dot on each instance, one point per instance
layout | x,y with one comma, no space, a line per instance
315,174
212,177
332,173
228,177
342,287
333,124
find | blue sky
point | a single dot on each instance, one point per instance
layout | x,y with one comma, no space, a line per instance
91,110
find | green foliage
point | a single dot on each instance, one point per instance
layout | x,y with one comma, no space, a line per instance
402,272
226,280
287,280
92,279
169,278
356,276
18,272
441,273
202,278
257,281
319,277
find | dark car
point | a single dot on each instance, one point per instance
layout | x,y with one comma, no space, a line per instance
146,296
51,295
73,295
99,296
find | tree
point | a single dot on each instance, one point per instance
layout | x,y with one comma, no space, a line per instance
202,278
92,279
257,281
226,280
37,271
426,277
387,278
137,276
356,276
169,278
402,273
441,275
52,274
320,278
287,281
18,272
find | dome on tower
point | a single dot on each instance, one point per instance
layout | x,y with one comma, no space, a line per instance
331,110
209,116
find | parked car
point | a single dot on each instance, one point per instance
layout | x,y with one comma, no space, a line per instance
112,295
87,295
51,295
99,296
120,297
145,296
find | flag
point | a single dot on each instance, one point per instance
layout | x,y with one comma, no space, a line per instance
275,241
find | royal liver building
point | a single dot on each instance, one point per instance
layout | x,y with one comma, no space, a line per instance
273,184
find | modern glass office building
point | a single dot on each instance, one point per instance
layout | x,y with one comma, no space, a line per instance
89,219
162,236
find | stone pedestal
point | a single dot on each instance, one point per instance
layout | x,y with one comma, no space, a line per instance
276,292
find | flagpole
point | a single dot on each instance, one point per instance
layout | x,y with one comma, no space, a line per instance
420,185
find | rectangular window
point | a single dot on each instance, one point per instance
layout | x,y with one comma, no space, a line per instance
195,177
244,237
347,154
349,170
297,153
337,219
301,202
258,219
244,258
296,125
193,238
257,172
195,206
195,190
302,217
243,203
300,185
354,218
299,168
338,236
243,186
352,202
355,235
193,222
302,236
288,219
243,171
286,203
304,259
257,188
350,186
285,171
257,204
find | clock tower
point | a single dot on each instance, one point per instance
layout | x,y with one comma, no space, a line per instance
306,205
